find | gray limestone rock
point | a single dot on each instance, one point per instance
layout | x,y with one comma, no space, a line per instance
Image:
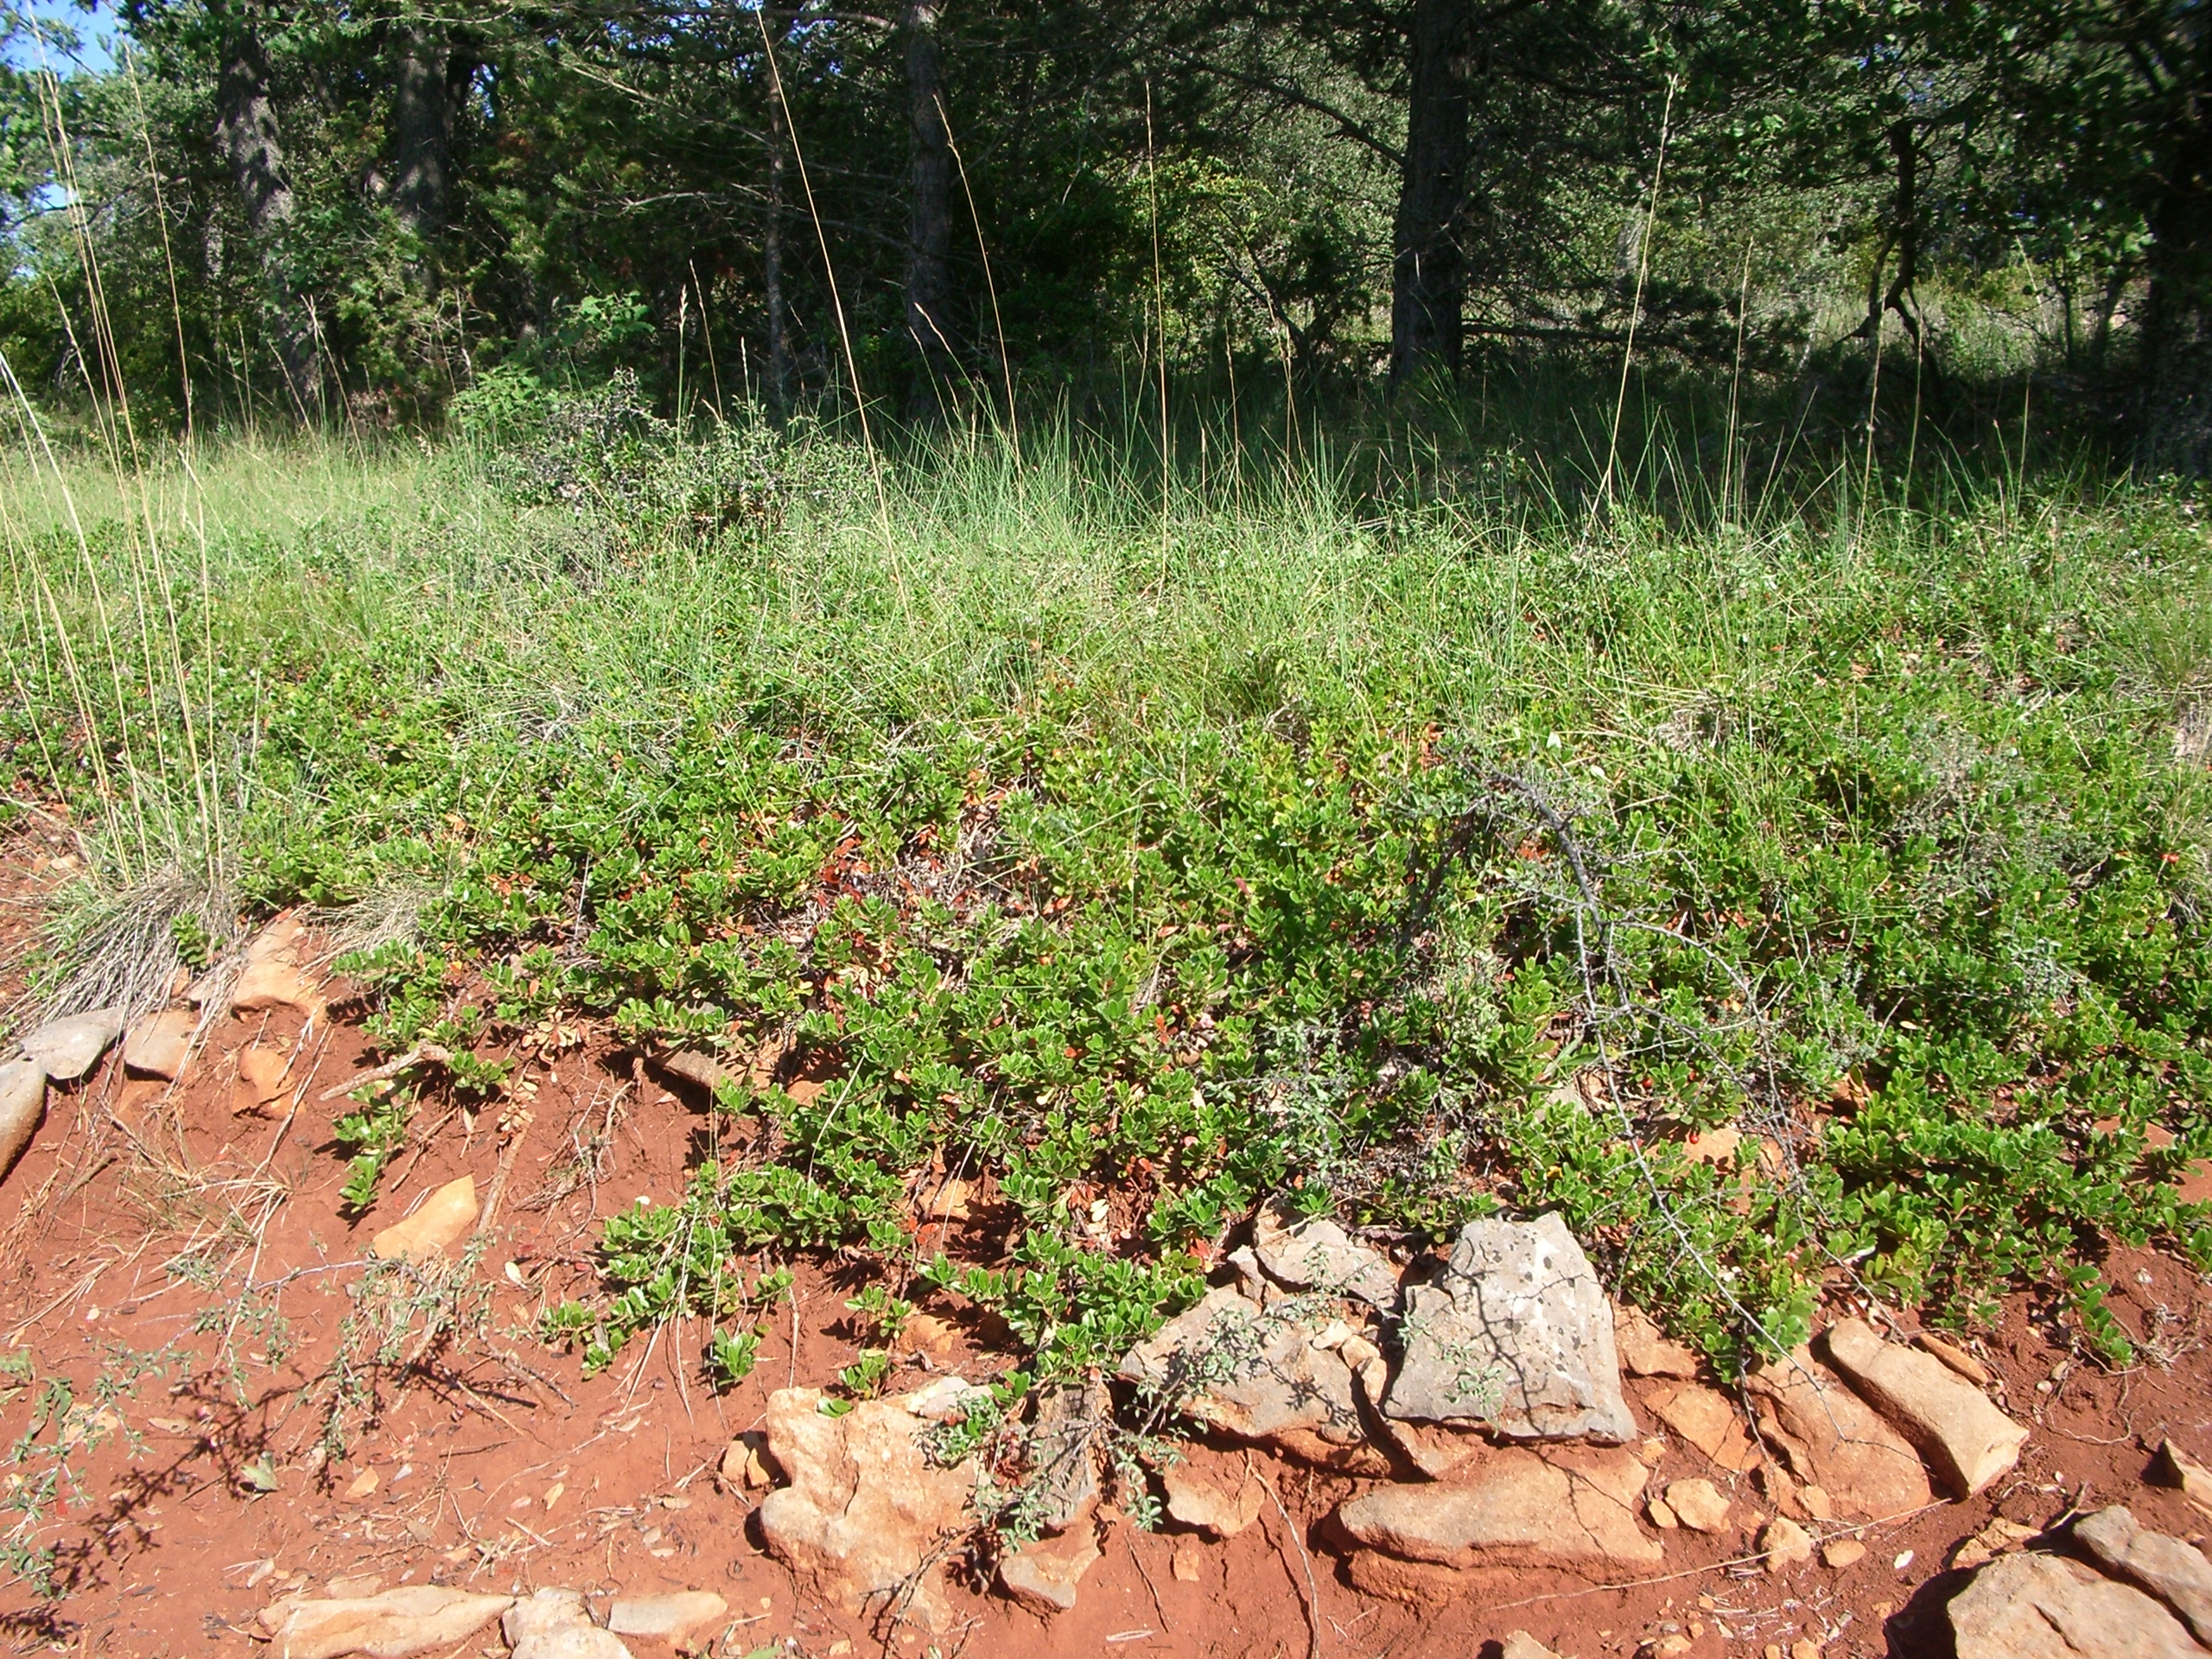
1517,1335
69,1048
2170,1569
1319,1255
2036,1606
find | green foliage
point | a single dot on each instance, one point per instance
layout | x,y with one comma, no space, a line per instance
1336,860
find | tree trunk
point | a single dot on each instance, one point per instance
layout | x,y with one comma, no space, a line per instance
1428,271
779,339
246,137
2178,333
422,123
929,224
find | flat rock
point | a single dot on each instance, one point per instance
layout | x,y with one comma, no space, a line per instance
745,1463
1220,1503
1064,1453
2175,1468
2170,1569
556,1624
23,1106
671,1616
1835,1442
1698,1504
1517,1335
1256,1375
443,1218
277,974
574,1641
865,1506
1562,1508
1707,1419
1784,1544
1519,1644
542,1613
1042,1576
68,1048
159,1044
1965,1439
1318,1256
2035,1606
1646,1350
414,1619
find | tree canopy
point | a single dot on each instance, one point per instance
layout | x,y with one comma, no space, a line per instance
356,212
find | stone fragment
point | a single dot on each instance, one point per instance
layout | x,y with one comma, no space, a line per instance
865,1506
1785,1544
277,974
1997,1536
673,1616
1699,1504
1840,1552
745,1463
1220,1503
542,1613
414,1619
1817,1502
1417,1584
1316,1254
1708,1420
1967,1439
2031,1606
2173,1467
1189,1562
23,1107
1251,1284
1562,1508
1063,1452
261,1078
576,1642
1519,1644
1833,1440
944,1400
1258,1375
2170,1569
1042,1576
442,1217
1957,1357
67,1049
1656,1512
1645,1350
158,1045
1517,1335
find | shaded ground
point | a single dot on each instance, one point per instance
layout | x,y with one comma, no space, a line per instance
245,1423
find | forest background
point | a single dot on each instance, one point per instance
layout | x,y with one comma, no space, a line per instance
353,215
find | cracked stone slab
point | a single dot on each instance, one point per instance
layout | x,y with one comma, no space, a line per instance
1562,1507
1318,1256
1834,1440
2038,1606
1965,1439
69,1048
1256,1374
865,1506
2175,1573
1517,1335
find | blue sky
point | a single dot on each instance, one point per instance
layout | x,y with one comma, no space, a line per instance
93,30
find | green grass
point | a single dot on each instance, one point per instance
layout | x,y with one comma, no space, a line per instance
1405,836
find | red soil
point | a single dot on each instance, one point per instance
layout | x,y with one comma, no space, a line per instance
501,1468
